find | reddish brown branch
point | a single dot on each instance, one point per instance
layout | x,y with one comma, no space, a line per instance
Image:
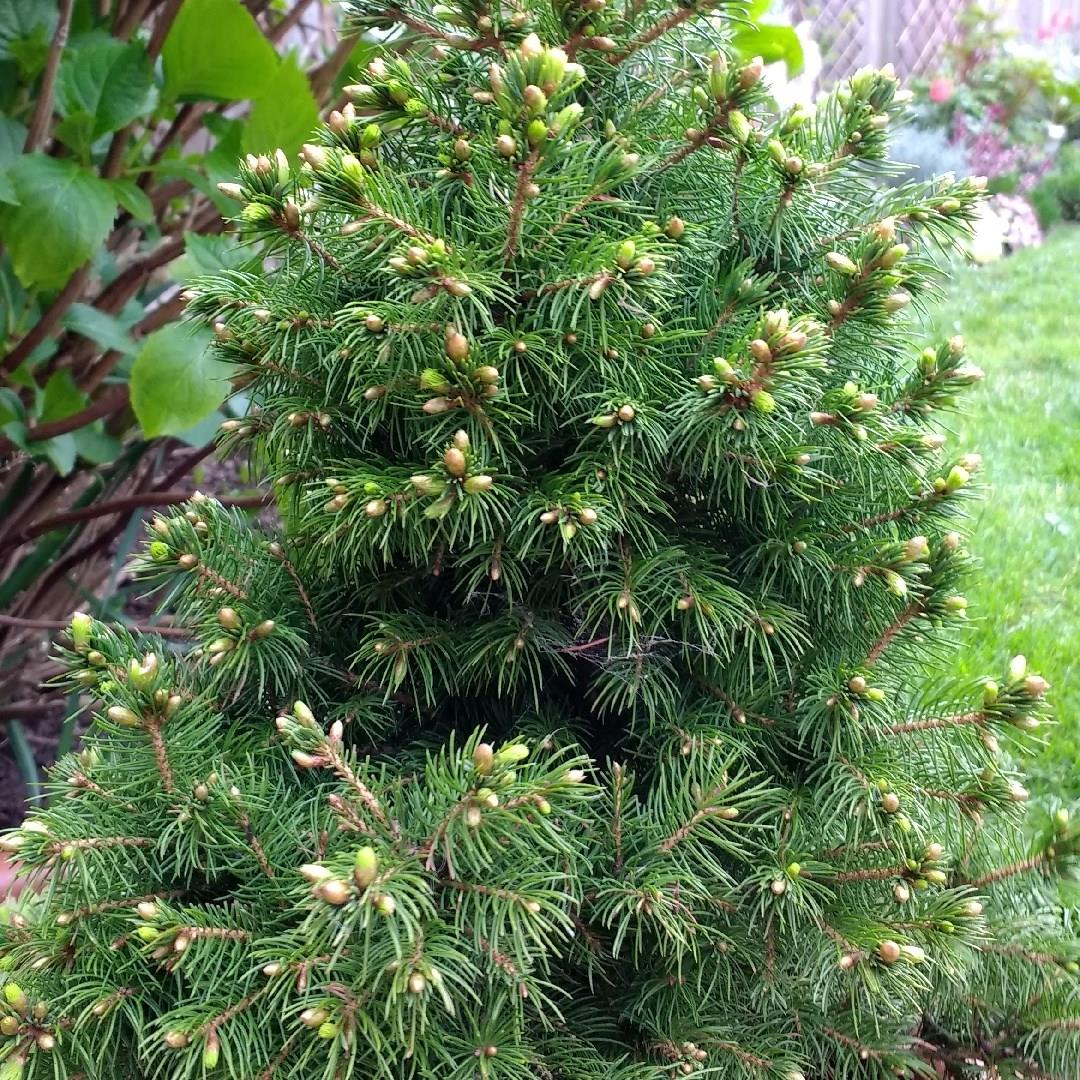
39,121
111,401
126,502
658,29
1036,862
48,321
936,723
517,207
913,610
62,624
162,27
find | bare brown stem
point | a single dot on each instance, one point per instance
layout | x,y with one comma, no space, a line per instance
126,502
1036,862
517,207
48,321
912,611
936,723
39,120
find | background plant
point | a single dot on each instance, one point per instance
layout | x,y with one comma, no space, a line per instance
1007,105
116,121
1056,197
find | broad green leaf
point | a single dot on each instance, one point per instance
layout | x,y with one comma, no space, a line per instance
358,60
61,452
220,162
95,446
175,382
7,190
104,84
64,214
215,51
60,398
26,27
205,431
12,140
206,255
772,44
105,331
284,114
133,199
11,406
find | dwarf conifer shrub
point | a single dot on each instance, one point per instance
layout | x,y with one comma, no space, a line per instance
584,718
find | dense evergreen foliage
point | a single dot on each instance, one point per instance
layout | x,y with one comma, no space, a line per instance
581,721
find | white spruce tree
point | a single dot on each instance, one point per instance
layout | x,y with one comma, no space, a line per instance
584,720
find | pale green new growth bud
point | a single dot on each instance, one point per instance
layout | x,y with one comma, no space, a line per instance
840,262
511,754
123,716
763,401
211,1052
141,674
304,714
957,478
81,625
739,126
365,866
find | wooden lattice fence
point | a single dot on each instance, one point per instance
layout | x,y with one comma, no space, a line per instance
912,34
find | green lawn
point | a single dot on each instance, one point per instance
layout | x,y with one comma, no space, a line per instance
1021,319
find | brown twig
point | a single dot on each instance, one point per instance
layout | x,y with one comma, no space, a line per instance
517,207
280,1057
363,792
854,1044
48,321
1035,862
126,502
912,611
161,758
747,1058
873,873
936,723
94,843
299,585
39,121
616,823
658,29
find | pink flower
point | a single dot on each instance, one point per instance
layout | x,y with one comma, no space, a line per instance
1061,22
941,89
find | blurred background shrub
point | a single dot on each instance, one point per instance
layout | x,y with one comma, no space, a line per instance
117,119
